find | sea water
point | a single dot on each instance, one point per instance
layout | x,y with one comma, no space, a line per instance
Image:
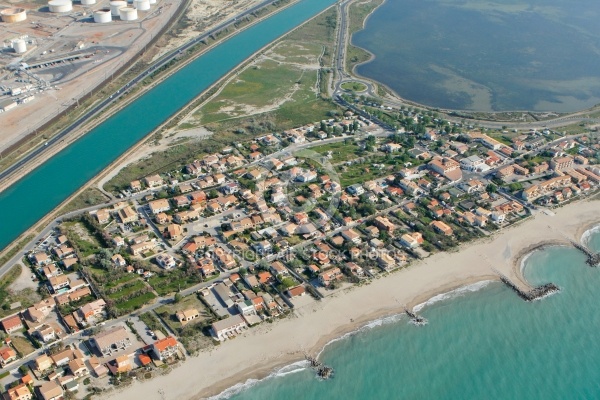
478,344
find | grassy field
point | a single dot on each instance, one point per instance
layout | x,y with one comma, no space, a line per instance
79,235
172,282
22,345
128,290
281,87
135,302
90,197
354,86
340,151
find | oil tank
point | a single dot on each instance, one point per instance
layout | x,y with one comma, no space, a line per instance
20,46
128,14
152,2
60,6
12,15
102,15
142,5
115,6
88,2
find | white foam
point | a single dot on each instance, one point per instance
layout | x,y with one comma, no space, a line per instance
461,291
243,386
585,238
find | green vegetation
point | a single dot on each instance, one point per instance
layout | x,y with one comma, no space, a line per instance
135,302
22,345
81,238
354,86
127,290
173,281
340,151
15,249
89,197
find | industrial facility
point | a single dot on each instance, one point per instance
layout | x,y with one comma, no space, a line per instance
34,58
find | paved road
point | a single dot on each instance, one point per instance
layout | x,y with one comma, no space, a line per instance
124,89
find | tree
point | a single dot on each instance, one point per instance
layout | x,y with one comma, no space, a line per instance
177,298
491,188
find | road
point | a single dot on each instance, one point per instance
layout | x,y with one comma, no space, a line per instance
85,118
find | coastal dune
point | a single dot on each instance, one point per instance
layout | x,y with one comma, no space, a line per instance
263,349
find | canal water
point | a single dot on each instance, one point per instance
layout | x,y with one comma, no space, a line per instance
26,202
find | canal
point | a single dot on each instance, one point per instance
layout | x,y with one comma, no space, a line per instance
39,192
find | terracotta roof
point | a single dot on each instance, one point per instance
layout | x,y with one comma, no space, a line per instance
165,343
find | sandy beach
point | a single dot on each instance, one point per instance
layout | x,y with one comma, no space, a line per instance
263,349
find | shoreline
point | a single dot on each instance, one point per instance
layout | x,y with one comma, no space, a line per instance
265,350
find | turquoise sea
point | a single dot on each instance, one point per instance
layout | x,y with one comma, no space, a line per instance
478,344
487,55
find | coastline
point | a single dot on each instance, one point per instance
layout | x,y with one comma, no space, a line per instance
248,357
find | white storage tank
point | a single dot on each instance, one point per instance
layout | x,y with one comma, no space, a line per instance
102,16
142,5
60,6
128,14
88,2
115,6
13,15
152,1
20,46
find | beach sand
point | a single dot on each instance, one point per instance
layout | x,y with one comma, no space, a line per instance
263,349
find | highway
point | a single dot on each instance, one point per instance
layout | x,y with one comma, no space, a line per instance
123,90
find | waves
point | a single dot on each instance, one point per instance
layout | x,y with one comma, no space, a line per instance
243,386
587,236
461,291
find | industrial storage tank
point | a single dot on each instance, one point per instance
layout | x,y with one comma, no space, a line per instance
102,16
13,15
115,6
20,46
142,5
128,14
152,1
60,6
88,2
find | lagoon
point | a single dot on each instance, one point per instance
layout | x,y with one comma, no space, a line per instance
538,55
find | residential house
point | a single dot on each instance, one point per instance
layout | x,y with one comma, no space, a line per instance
91,309
165,348
229,326
384,224
386,262
442,228
7,355
166,261
326,277
153,181
295,291
78,368
50,391
411,240
118,261
40,259
158,206
127,215
103,216
351,235
447,167
58,282
187,315
42,363
19,392
114,339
